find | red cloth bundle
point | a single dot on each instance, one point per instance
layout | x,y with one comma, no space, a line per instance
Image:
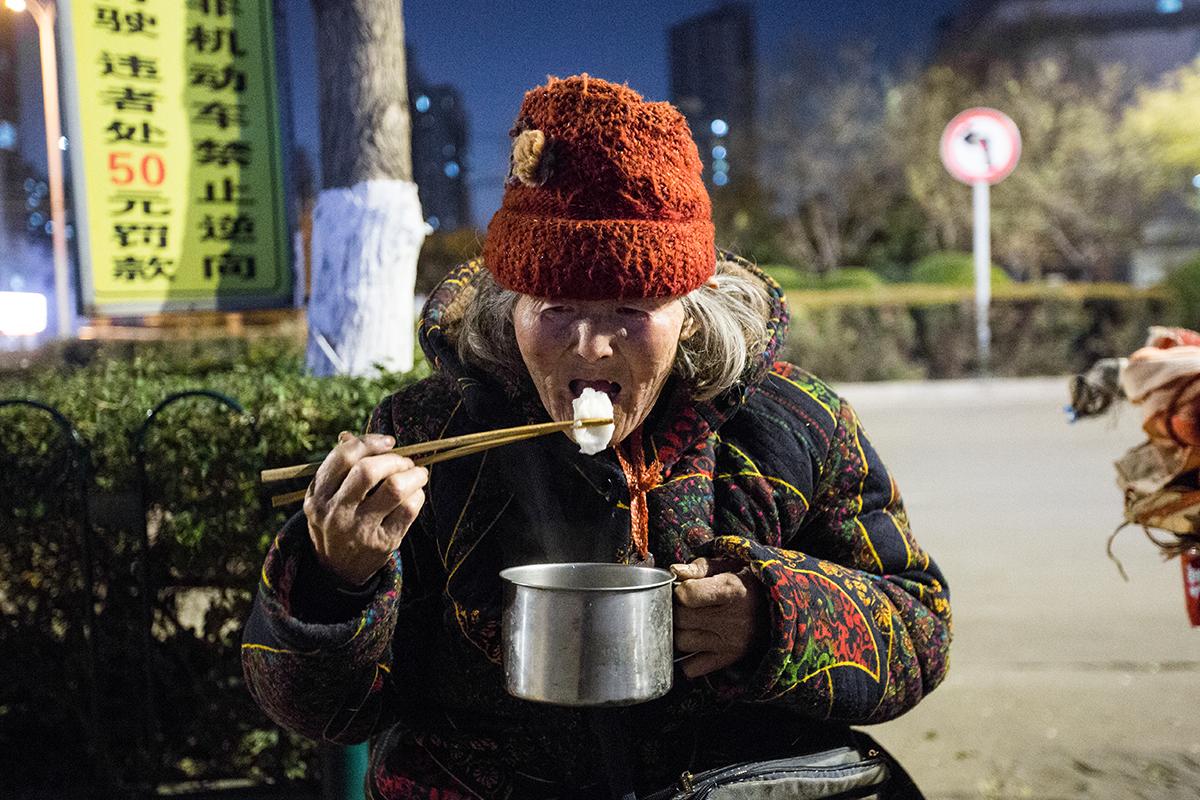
1164,378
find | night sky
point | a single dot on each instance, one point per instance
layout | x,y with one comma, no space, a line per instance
494,51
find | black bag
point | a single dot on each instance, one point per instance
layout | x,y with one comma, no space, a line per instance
859,769
842,772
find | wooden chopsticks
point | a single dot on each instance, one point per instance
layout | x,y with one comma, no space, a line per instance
432,452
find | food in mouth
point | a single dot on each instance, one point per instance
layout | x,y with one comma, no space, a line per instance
593,404
610,388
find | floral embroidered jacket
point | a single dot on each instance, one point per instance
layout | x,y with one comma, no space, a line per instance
777,473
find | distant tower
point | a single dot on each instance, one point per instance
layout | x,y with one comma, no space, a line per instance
439,151
713,83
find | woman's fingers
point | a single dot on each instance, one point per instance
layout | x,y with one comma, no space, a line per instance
341,460
716,617
393,490
718,590
704,663
354,529
729,625
368,473
397,523
704,567
691,571
711,617
689,640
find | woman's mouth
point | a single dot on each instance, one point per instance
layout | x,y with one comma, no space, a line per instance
610,388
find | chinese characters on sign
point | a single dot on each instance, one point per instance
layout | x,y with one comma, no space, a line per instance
178,175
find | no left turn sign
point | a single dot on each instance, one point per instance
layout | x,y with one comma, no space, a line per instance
981,145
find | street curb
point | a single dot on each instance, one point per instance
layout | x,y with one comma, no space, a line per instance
980,391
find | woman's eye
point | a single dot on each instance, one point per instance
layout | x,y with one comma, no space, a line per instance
630,311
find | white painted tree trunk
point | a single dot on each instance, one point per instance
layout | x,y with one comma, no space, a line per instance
365,242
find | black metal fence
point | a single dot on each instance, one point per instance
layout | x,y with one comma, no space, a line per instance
127,669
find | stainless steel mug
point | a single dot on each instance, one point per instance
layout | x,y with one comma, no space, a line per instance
587,634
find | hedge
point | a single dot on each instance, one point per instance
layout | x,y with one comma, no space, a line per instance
912,331
850,278
209,528
1184,286
952,268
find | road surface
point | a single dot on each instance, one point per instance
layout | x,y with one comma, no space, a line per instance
1065,681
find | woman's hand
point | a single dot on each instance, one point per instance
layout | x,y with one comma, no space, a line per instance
354,529
719,613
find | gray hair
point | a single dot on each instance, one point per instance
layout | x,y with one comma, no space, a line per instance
725,329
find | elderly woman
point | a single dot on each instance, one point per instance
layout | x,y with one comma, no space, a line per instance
807,601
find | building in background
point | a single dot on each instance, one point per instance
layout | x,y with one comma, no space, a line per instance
1148,36
13,169
439,151
24,192
713,83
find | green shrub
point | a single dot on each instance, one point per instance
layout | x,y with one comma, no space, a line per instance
952,268
852,278
209,525
793,279
929,332
847,343
1183,284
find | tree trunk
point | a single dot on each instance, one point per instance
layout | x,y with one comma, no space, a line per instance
367,224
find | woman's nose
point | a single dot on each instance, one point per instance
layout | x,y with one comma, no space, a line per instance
593,342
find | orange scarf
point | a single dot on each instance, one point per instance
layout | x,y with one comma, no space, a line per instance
641,477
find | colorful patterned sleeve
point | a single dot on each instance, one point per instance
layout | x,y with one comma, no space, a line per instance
329,681
859,614
322,680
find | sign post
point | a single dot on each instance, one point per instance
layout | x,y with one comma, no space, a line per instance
980,147
982,208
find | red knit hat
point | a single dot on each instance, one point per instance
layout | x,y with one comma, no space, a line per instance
604,198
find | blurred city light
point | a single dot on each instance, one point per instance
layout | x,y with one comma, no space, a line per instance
8,135
1196,181
14,5
1169,6
63,143
23,313
451,169
422,103
720,178
719,151
719,127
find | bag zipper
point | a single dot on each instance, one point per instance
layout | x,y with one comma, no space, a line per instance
689,782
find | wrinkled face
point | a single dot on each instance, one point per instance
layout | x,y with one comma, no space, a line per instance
624,348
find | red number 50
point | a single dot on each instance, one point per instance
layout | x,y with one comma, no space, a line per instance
151,169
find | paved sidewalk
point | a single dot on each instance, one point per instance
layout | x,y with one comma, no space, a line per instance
1065,681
